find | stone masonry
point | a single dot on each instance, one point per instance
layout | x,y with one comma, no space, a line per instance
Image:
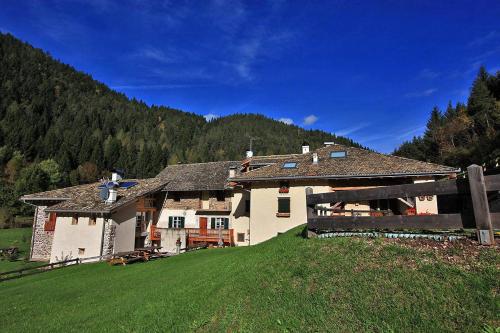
109,237
41,240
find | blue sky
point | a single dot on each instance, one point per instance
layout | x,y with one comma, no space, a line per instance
369,70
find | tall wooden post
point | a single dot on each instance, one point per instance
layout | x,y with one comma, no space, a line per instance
481,206
310,214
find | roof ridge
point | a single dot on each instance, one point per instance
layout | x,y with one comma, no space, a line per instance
235,161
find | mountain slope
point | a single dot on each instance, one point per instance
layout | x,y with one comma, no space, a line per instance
50,110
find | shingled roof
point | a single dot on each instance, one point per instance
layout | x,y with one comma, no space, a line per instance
358,163
197,176
85,198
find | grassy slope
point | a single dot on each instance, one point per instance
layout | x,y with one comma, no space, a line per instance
288,283
20,237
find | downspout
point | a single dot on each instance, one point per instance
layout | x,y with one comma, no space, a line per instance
102,234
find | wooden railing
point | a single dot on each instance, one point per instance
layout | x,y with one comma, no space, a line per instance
154,233
210,235
145,204
475,187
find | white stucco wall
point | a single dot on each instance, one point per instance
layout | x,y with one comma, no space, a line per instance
426,206
124,222
264,224
239,220
190,221
69,238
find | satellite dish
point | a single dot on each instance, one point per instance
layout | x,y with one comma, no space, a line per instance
104,194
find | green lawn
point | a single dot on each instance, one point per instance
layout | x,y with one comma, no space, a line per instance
286,284
21,238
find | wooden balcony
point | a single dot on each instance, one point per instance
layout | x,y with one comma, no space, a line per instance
145,204
210,236
154,233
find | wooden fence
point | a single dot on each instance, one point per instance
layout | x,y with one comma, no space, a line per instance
47,267
476,186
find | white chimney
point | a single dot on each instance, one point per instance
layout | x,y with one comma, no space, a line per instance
305,147
315,158
329,143
116,175
112,195
249,153
232,172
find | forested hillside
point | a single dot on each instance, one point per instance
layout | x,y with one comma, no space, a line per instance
465,133
60,127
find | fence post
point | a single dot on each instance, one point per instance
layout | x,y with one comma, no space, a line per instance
481,206
310,214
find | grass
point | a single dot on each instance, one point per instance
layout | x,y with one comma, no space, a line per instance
286,284
21,238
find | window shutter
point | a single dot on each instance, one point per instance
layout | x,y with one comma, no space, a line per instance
182,222
170,221
226,223
212,223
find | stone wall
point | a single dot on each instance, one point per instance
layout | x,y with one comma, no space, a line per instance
189,200
41,240
108,237
214,204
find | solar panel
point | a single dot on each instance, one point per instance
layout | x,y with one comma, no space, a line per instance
127,184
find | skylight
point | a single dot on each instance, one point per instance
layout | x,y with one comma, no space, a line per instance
289,165
338,154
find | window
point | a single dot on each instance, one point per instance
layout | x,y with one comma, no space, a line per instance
176,222
219,195
338,154
74,219
240,237
283,207
92,220
81,251
289,165
247,206
219,223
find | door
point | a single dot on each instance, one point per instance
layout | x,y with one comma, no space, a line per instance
203,226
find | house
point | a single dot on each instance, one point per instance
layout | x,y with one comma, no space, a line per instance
229,203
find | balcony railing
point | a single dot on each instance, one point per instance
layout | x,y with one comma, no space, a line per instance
196,235
154,233
146,204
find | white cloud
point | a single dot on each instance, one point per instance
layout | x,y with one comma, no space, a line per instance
423,93
153,53
490,36
288,121
350,130
311,119
411,132
427,73
211,116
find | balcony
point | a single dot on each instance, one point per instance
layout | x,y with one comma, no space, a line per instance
210,236
145,204
154,233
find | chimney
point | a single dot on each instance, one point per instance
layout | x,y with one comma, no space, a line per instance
113,191
116,175
329,143
232,172
315,158
305,147
249,153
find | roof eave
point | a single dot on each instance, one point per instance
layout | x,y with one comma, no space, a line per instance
392,175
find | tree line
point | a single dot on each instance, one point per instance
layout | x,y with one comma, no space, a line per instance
463,134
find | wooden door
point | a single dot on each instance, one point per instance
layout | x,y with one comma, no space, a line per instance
203,226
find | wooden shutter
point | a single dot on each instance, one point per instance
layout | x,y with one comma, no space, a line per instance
283,205
182,221
170,221
212,223
226,223
50,224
